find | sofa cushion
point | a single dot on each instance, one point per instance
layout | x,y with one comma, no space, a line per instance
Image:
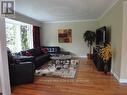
41,57
37,52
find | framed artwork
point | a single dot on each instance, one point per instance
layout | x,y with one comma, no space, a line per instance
65,35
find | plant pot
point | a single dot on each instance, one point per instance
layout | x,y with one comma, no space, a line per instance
90,56
106,68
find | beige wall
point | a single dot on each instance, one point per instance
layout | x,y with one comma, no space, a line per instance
0,85
116,19
49,35
123,75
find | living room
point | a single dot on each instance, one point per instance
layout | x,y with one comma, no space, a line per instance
53,17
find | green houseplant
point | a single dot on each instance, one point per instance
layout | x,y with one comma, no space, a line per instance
89,37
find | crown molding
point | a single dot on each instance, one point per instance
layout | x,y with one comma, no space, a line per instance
108,10
87,20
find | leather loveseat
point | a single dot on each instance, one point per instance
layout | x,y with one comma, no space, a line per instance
39,56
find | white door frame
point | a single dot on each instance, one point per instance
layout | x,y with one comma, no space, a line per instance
4,71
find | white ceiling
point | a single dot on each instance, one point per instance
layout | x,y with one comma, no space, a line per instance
63,10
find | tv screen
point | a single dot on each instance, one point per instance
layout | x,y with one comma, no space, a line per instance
101,35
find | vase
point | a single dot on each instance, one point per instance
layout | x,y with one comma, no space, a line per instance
106,68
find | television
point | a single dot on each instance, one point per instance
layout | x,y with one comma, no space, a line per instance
102,36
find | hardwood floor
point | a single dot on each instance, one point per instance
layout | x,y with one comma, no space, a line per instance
88,82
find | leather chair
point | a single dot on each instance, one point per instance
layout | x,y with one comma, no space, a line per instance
20,72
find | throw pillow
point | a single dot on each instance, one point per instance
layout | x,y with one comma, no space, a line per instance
28,53
44,50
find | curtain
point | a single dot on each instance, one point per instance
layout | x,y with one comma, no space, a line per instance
36,36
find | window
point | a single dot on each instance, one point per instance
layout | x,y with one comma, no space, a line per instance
19,35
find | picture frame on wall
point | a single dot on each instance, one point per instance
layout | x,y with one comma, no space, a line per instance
65,35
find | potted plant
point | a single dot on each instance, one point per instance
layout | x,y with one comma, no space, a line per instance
106,54
89,37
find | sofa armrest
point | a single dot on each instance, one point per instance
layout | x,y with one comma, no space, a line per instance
24,59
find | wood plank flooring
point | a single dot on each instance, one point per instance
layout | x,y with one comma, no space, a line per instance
87,82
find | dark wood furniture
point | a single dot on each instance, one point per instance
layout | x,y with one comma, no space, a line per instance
98,61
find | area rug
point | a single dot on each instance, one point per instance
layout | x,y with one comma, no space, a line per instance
64,69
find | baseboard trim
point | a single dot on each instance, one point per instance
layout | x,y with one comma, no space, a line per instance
119,79
123,80
79,56
83,56
116,76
